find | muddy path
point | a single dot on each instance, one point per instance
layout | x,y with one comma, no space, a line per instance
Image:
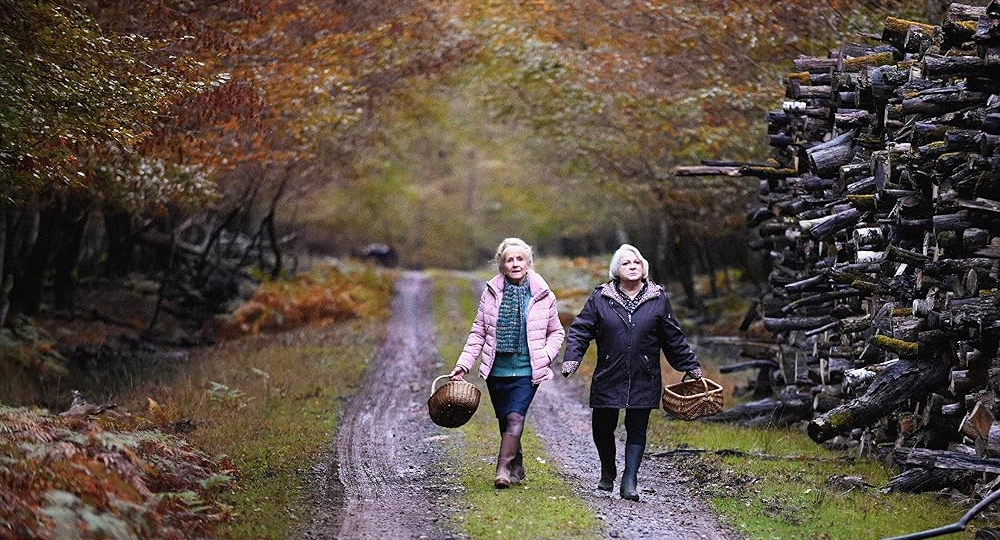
666,510
379,480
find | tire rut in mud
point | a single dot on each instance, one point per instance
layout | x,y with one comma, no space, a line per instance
381,481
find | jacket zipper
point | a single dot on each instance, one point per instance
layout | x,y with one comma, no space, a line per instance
628,355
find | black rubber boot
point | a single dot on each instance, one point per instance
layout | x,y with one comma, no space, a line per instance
606,451
633,457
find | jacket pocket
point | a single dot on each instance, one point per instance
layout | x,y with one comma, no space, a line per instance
648,368
604,368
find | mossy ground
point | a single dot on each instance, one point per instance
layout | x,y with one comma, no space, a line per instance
785,486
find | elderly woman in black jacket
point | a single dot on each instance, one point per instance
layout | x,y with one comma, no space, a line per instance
631,320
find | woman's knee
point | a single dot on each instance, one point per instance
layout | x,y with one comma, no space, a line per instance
636,424
515,423
604,421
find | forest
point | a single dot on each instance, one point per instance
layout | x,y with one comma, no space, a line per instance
210,210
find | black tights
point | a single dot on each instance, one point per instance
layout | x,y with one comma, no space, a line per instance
512,424
604,422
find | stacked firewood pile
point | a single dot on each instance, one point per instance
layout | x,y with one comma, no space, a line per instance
880,212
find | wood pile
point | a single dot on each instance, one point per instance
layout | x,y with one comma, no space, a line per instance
880,215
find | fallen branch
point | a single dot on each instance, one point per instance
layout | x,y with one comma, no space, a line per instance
730,452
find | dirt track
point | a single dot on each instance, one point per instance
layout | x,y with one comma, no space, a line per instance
380,481
379,485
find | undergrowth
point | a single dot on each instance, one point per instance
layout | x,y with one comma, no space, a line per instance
785,486
217,443
544,505
72,476
271,402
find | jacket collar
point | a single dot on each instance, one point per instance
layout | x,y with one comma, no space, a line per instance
609,290
536,285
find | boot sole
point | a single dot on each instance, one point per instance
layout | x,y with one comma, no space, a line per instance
501,483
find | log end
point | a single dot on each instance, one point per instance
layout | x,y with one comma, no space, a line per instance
819,430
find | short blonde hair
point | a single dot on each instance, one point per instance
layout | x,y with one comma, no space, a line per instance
617,257
509,244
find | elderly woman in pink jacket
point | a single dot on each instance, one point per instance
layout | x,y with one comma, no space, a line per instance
518,333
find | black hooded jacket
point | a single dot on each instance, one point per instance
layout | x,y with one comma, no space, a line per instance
628,347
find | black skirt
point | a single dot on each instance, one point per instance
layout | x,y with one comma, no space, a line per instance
511,394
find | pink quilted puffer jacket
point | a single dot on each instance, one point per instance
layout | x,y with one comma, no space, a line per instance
545,332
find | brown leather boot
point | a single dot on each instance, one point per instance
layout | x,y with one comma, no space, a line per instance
517,465
508,449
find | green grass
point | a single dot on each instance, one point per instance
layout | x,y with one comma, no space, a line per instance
276,416
789,498
544,505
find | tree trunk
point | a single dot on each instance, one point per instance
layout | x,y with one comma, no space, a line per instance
681,263
5,273
121,242
26,295
66,258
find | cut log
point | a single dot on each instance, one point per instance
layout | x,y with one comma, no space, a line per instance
900,382
823,402
920,480
942,101
752,364
776,411
895,30
704,170
827,158
978,422
945,459
941,66
815,65
862,63
964,381
776,324
821,298
835,223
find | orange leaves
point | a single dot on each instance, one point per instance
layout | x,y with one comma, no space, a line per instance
65,474
321,297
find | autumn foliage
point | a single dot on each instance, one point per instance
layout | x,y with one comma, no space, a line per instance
74,476
323,296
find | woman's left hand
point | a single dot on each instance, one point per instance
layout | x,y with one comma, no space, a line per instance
695,373
568,368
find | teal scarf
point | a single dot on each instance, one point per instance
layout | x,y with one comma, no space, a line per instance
511,319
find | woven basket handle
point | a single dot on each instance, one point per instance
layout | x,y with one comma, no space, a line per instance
693,379
434,383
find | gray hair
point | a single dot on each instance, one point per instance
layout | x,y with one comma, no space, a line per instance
509,244
627,249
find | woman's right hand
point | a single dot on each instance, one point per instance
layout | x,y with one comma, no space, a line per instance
457,374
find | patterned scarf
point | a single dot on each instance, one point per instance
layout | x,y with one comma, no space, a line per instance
510,321
630,304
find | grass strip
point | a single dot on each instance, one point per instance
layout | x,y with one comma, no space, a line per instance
802,497
269,403
544,505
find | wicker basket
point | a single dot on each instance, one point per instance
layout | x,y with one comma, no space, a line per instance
688,400
453,403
